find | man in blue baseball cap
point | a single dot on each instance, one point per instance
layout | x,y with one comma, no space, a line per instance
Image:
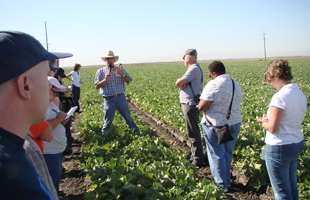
24,97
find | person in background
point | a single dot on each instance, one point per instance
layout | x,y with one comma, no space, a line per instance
24,100
214,103
53,151
41,132
191,85
53,67
76,85
283,125
65,106
110,80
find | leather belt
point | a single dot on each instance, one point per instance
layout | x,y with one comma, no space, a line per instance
114,95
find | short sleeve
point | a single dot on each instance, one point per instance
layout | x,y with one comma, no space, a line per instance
278,102
207,93
98,76
39,128
192,73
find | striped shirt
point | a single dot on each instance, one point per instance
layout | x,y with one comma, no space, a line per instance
34,155
114,85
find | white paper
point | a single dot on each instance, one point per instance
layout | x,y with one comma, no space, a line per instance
71,111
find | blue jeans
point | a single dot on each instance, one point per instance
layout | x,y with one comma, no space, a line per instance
220,156
120,103
54,165
76,96
281,162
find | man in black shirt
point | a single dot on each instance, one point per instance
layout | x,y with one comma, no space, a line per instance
24,97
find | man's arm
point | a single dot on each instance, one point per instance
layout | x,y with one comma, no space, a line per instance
181,83
204,105
120,71
101,83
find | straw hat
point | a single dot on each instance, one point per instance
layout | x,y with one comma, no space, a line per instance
110,54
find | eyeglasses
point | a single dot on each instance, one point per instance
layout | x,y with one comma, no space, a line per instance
109,58
56,94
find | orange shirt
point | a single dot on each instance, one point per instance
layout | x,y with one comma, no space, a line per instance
36,131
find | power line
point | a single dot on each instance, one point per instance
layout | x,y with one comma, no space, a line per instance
264,44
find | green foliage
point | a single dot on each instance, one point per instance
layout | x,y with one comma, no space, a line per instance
153,89
124,165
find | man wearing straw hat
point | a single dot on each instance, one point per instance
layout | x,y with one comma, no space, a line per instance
110,80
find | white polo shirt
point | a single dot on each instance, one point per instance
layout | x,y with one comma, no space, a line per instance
294,103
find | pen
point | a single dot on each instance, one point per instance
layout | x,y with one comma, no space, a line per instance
55,111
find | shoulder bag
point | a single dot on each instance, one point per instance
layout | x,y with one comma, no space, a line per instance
222,132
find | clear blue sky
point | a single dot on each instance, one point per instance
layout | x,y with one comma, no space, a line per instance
161,30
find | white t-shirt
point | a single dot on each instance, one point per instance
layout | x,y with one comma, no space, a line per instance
76,78
59,142
294,103
219,91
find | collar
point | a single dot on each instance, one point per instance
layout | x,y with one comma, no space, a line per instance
291,85
222,76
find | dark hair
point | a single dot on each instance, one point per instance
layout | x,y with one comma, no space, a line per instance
278,69
217,67
76,66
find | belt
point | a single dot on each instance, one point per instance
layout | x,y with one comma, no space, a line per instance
114,95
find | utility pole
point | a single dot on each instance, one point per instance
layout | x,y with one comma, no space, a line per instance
264,44
46,36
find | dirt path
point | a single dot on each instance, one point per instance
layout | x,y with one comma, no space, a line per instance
73,182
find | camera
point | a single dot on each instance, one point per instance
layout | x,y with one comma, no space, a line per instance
197,98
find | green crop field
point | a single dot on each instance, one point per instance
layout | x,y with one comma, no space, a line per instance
153,89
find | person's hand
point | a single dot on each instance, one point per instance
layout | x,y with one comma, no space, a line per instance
65,121
263,119
183,86
107,75
61,116
119,70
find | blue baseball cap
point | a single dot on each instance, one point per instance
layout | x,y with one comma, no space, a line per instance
19,52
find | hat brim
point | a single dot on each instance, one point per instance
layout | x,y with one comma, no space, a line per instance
52,67
57,55
62,75
116,58
61,88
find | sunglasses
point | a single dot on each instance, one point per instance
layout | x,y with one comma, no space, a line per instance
56,94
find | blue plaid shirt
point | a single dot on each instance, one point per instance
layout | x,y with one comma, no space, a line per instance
114,85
